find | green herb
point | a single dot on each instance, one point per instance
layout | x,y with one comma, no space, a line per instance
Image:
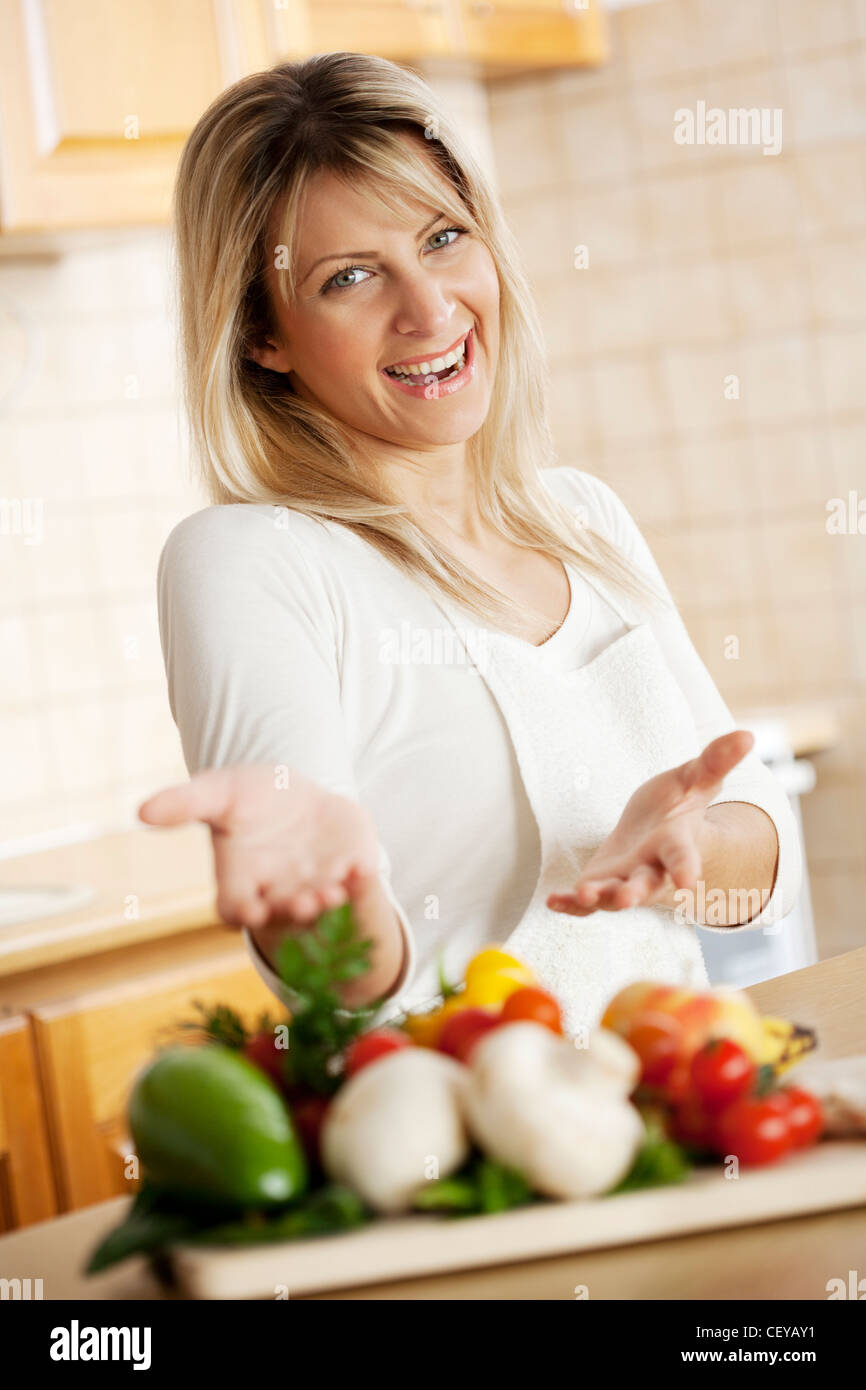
156,1221
482,1186
658,1162
446,989
312,965
217,1024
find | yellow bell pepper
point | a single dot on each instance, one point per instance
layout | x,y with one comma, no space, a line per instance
492,976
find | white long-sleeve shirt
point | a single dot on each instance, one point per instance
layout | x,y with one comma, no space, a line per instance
293,642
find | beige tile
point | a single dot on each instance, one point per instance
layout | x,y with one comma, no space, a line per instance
85,737
825,104
768,289
723,564
564,309
802,29
527,146
802,560
816,659
572,409
838,274
758,89
837,904
856,616
738,31
74,656
832,186
19,666
24,756
655,115
64,567
679,214
628,401
736,646
596,143
131,641
717,478
778,379
695,383
833,822
689,304
841,354
543,228
758,202
792,470
647,480
619,311
608,222
661,40
126,548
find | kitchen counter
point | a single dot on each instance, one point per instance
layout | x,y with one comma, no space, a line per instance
788,1259
148,883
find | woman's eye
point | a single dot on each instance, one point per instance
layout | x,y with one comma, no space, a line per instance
334,281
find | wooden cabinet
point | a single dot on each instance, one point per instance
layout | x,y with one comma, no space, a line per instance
27,1191
97,98
68,1057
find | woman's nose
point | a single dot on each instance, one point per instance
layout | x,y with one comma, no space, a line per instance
424,307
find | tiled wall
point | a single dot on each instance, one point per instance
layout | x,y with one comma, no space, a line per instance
704,261
707,261
89,430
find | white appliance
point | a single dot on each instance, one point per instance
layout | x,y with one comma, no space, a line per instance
747,957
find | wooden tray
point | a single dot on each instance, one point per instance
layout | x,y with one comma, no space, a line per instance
825,1178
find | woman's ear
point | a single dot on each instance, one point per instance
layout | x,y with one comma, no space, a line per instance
270,354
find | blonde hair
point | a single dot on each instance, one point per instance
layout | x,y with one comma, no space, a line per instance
251,156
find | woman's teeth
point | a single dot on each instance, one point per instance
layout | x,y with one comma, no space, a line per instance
455,360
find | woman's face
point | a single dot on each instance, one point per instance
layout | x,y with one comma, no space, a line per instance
372,293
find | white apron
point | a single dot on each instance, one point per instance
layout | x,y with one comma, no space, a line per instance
585,739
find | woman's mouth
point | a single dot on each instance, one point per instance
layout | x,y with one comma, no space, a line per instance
426,384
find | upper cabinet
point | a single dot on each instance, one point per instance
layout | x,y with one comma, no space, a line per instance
97,98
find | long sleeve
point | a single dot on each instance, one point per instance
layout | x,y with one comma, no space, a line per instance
249,643
750,781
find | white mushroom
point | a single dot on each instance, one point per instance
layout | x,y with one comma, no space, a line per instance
558,1114
395,1125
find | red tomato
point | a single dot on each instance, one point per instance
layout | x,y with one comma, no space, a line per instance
656,1039
308,1114
462,1030
693,1125
369,1047
532,1005
754,1129
804,1114
262,1050
721,1072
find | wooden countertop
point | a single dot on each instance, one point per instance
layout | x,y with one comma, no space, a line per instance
789,1259
148,883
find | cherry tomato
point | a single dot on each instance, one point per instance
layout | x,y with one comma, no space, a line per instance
656,1040
803,1112
463,1030
369,1047
534,1006
309,1116
721,1072
691,1124
263,1052
754,1129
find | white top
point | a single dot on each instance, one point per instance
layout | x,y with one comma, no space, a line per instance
290,641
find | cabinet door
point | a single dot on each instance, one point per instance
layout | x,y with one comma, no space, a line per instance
504,35
96,99
91,1047
26,1183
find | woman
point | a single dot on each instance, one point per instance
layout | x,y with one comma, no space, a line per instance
412,662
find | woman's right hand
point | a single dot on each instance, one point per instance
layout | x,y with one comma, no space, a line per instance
278,851
287,852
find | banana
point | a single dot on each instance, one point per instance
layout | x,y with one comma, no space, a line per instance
784,1043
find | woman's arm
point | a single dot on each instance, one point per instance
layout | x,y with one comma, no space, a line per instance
739,850
250,642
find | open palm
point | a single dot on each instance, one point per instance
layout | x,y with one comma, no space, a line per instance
655,844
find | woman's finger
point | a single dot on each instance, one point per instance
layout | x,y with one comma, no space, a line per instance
205,797
682,861
716,761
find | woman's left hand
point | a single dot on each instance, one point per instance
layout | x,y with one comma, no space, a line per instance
656,843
